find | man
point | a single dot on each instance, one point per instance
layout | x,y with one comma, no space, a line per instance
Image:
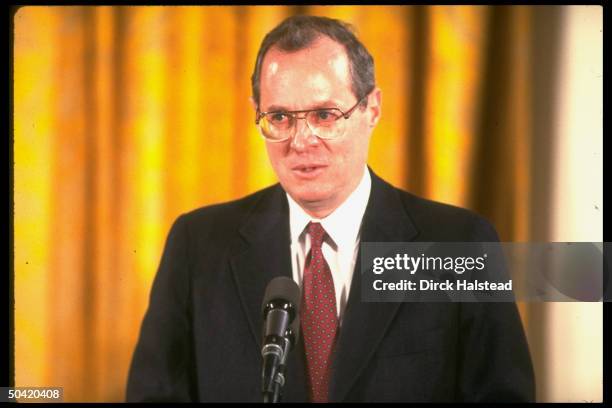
316,105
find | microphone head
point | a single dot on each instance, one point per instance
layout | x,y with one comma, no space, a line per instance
283,293
282,289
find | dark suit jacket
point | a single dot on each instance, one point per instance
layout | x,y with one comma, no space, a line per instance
201,336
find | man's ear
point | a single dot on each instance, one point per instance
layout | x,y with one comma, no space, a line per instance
374,106
253,103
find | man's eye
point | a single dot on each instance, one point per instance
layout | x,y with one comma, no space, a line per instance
326,115
278,117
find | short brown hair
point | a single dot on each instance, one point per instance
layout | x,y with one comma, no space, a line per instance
298,32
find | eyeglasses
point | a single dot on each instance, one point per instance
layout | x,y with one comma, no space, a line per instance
278,126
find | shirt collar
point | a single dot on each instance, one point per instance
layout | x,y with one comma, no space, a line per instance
343,224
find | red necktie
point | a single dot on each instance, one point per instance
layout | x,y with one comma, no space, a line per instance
318,316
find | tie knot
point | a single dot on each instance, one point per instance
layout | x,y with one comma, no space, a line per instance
317,233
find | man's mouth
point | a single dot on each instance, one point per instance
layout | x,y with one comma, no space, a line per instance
308,170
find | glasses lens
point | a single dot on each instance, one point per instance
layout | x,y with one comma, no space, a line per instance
276,125
326,123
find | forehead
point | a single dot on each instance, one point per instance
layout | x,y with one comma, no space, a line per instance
322,69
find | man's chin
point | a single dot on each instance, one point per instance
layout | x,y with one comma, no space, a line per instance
311,199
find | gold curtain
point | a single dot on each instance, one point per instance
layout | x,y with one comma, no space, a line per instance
125,117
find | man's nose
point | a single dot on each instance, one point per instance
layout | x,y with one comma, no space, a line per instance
303,136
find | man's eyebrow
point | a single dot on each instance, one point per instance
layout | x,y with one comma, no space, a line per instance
320,105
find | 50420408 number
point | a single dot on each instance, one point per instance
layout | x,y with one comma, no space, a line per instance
54,394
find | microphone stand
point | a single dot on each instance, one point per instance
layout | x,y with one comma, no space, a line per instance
278,382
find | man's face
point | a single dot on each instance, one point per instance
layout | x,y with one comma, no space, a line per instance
318,174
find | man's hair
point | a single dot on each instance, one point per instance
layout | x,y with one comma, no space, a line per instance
298,32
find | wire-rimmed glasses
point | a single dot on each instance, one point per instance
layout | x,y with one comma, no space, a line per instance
326,123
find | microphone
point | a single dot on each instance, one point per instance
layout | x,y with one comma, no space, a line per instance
280,308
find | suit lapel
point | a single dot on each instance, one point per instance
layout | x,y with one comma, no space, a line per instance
365,324
263,253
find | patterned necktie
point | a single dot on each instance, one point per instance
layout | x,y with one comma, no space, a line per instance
318,316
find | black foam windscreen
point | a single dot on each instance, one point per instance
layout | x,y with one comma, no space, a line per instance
282,288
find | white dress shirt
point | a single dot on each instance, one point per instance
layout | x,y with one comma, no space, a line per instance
343,228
